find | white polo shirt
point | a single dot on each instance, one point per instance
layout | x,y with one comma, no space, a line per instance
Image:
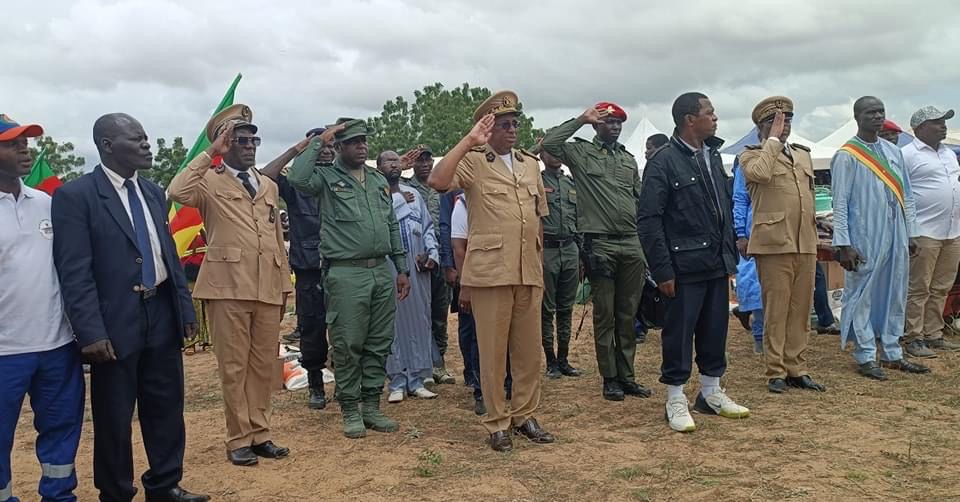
935,181
458,219
31,310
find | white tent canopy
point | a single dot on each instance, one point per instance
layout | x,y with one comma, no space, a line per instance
637,142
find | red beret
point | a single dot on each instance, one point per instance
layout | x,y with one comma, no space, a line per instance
889,125
613,109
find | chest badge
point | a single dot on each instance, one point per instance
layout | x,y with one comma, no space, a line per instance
46,229
491,157
519,157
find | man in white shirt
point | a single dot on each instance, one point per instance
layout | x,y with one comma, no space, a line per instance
935,178
38,355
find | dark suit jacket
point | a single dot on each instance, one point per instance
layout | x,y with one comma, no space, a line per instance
95,251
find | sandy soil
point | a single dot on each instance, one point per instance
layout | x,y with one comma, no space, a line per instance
863,440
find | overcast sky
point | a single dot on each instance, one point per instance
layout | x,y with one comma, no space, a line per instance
168,62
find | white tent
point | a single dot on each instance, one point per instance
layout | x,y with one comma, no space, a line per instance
637,142
835,140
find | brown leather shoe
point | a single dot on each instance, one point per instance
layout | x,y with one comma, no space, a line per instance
532,431
500,441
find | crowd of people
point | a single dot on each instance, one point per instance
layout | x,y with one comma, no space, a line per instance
380,261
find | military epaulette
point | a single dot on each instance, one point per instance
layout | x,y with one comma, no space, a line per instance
752,147
479,149
800,147
527,153
624,150
581,140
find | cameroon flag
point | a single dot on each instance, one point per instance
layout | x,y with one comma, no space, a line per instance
185,222
41,175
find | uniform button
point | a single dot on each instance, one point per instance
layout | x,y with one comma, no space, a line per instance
523,220
523,240
139,260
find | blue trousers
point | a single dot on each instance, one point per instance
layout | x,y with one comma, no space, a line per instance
756,324
54,381
820,303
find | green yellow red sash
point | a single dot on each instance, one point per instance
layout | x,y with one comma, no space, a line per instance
878,165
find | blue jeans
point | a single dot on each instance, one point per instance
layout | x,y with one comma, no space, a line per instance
408,382
820,303
54,380
756,324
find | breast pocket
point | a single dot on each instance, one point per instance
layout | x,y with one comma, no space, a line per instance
572,197
345,205
494,195
534,198
596,163
685,193
219,266
230,203
781,177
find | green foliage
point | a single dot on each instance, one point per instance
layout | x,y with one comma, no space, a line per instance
65,164
438,117
166,161
427,462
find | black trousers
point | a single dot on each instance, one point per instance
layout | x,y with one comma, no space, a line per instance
312,319
151,379
696,318
439,303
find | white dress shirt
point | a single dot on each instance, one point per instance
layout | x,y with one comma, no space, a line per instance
117,181
935,181
253,176
31,311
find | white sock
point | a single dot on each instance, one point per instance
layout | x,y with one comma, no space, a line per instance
709,385
674,391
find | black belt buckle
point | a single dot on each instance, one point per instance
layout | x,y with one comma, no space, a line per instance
144,292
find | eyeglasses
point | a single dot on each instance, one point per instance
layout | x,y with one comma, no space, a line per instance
506,125
246,140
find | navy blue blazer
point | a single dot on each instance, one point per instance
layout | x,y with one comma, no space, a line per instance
95,251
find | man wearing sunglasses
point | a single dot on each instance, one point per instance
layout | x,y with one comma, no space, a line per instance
608,180
783,240
245,277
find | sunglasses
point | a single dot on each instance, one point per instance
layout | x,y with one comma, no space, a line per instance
247,140
507,124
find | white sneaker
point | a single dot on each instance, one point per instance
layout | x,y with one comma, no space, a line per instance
423,393
719,403
395,396
678,415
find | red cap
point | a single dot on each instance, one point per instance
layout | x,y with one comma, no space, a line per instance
612,109
889,125
10,130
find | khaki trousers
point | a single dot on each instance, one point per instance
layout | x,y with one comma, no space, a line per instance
246,341
508,318
932,273
786,285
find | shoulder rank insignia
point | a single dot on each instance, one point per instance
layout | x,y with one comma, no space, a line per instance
219,168
386,190
581,140
800,147
528,153
518,156
752,147
478,149
491,157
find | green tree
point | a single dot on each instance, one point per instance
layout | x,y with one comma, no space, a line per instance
65,164
166,161
438,117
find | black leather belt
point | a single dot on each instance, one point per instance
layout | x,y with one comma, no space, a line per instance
364,263
144,292
556,243
608,237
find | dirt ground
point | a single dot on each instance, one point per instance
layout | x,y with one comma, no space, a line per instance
862,440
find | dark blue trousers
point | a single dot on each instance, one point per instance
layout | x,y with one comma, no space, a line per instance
820,303
54,381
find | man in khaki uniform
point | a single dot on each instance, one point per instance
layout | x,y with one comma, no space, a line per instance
244,279
783,240
502,277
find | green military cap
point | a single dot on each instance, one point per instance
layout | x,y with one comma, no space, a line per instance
767,108
502,102
351,129
239,115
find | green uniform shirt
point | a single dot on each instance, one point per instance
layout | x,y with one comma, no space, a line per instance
561,223
607,177
356,220
430,195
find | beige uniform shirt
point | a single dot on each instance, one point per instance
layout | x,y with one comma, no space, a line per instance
504,210
246,258
781,191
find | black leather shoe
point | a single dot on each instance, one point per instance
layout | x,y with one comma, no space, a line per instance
568,370
743,317
175,494
777,385
905,366
532,431
631,388
317,399
293,336
242,456
612,390
872,370
269,450
500,441
479,409
553,372
805,382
